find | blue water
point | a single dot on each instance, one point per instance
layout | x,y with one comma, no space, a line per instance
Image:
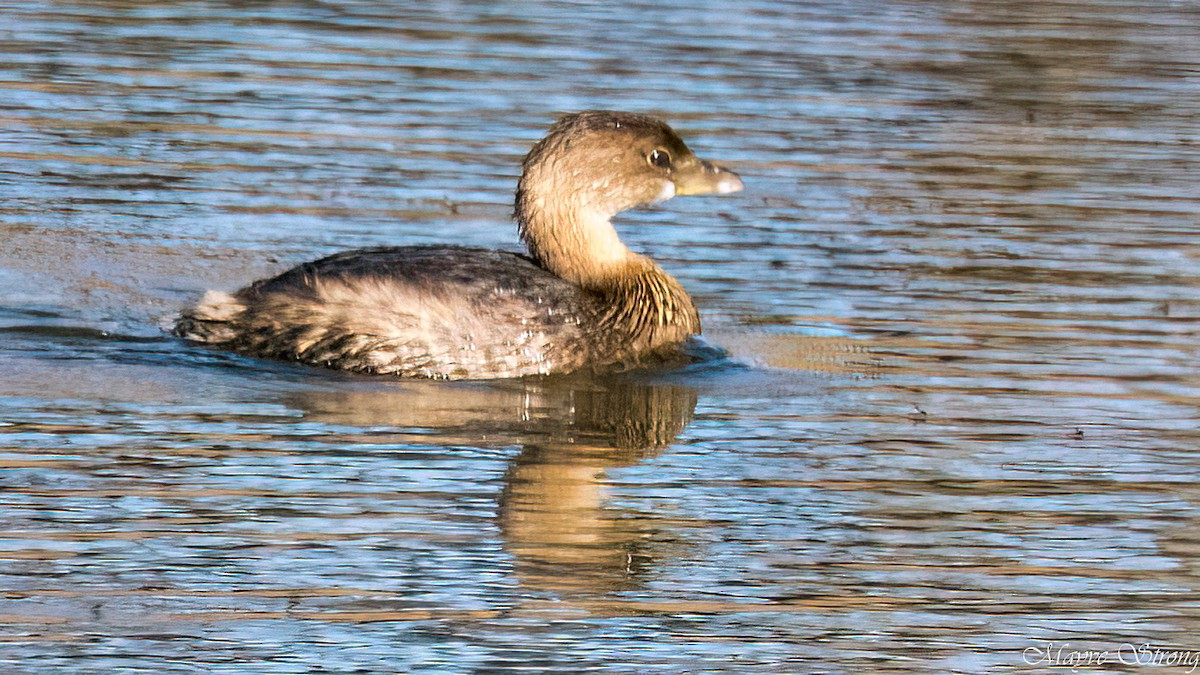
957,420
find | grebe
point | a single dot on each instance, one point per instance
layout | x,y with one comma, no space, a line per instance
580,300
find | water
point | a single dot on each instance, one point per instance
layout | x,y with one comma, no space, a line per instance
958,425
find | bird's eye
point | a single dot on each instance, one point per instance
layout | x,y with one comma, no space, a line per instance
660,158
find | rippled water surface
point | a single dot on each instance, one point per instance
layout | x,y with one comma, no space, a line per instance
958,425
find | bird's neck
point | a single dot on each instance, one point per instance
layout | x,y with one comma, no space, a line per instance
580,245
572,239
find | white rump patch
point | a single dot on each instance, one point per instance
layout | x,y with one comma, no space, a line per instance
217,306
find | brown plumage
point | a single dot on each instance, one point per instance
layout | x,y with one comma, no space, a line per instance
581,300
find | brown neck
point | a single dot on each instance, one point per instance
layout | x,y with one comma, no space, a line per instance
578,243
571,238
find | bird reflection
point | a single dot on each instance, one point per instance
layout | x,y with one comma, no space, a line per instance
553,511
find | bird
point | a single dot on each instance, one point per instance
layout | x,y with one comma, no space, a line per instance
578,300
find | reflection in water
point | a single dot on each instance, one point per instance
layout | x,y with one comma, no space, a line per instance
552,512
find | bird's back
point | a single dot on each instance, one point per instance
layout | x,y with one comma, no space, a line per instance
439,312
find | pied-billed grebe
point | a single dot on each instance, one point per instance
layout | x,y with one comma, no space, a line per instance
581,300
